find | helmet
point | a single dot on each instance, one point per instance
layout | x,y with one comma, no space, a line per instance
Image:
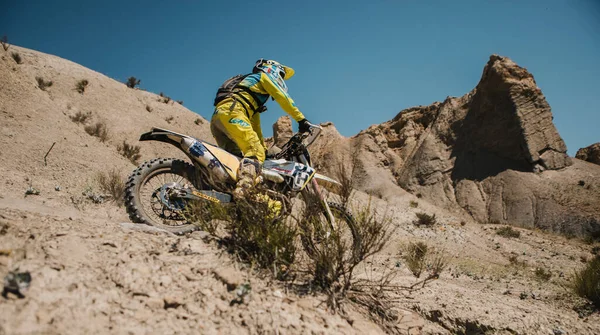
276,71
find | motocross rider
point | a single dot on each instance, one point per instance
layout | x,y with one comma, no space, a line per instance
235,123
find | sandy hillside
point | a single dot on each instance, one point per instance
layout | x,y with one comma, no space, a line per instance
93,272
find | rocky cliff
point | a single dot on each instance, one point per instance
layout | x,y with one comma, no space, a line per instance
494,153
590,154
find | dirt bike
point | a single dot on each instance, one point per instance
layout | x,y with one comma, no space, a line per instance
158,191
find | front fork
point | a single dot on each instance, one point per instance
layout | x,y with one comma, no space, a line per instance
317,190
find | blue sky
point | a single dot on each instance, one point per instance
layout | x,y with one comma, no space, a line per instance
357,62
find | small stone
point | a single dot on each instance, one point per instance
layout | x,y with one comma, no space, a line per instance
57,188
229,277
558,331
278,294
32,191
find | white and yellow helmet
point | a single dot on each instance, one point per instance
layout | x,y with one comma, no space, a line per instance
275,70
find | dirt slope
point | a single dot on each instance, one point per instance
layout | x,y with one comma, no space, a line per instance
93,272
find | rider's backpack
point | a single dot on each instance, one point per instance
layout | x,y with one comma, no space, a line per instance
231,86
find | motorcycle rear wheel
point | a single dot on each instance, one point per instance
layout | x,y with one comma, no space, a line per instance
142,194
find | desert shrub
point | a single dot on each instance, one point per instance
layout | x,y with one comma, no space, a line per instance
81,85
419,195
180,102
514,260
586,282
42,84
508,232
542,274
334,259
80,117
17,57
419,257
112,184
344,173
131,152
99,129
4,43
414,258
169,119
148,109
198,121
413,204
132,82
424,219
163,98
253,231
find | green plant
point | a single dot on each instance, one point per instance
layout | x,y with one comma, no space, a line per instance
99,130
132,82
80,117
508,232
42,84
81,85
586,282
131,152
17,57
413,204
424,219
4,42
112,184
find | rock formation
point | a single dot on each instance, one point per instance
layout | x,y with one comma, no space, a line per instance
590,153
494,153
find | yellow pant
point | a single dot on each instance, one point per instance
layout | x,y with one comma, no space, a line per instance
235,132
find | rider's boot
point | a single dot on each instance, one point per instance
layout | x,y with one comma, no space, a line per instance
248,177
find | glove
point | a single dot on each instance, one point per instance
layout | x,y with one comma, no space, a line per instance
304,125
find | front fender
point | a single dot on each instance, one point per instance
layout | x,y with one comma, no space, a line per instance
327,179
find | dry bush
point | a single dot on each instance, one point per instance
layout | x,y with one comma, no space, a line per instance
333,259
413,204
131,152
17,57
426,220
81,118
542,274
4,43
163,98
99,130
254,231
180,102
132,82
514,260
111,183
81,85
169,119
42,84
198,121
344,173
414,258
586,283
508,232
419,257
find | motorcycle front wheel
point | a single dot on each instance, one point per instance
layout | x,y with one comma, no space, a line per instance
319,235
